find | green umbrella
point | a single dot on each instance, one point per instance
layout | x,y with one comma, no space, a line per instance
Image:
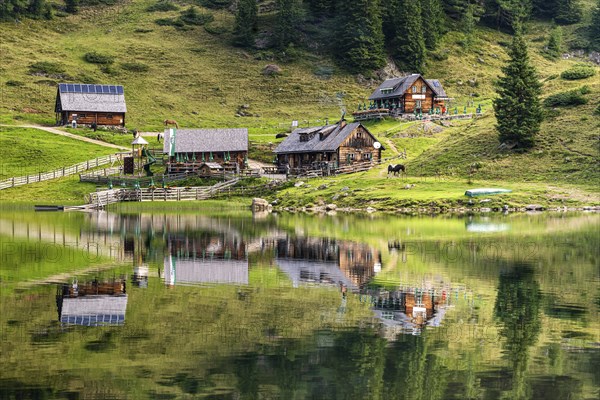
110,185
210,157
203,157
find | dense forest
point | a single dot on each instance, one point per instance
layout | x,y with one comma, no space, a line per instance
362,33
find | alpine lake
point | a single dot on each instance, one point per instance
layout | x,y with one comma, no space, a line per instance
224,304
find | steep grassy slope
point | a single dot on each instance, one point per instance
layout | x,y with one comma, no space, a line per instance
199,79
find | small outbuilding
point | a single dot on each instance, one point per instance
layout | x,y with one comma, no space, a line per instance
225,147
90,104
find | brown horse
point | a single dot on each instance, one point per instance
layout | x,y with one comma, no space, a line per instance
168,122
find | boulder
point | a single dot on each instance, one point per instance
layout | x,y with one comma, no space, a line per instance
271,70
259,204
534,207
299,184
330,207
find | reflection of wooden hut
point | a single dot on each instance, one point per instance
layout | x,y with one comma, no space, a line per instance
210,169
180,270
92,303
358,262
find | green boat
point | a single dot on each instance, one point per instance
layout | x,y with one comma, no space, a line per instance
486,191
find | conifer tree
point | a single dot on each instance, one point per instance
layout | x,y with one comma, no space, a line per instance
554,43
289,17
408,43
72,6
246,22
360,38
517,107
36,7
594,29
567,12
433,22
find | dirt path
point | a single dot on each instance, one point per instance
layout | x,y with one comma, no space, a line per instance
56,131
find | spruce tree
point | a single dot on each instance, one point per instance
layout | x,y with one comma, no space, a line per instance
289,18
517,107
567,12
554,43
594,29
246,22
360,37
408,43
433,22
72,6
36,7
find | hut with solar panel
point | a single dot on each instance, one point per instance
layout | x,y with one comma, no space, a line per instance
102,105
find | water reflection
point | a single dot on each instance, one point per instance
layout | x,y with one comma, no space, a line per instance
407,310
294,307
92,303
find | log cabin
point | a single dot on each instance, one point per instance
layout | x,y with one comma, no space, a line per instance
190,148
336,145
410,94
103,105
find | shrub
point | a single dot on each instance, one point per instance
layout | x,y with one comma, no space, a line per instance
135,67
597,110
94,57
215,3
191,16
46,68
216,29
14,83
108,69
570,98
578,72
143,30
163,5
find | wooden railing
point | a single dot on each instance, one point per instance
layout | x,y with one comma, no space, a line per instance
61,172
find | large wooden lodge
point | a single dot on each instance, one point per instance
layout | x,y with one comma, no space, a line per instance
90,104
335,145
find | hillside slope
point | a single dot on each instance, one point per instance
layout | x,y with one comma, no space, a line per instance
199,79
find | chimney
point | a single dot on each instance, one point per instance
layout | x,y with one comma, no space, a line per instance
326,121
342,123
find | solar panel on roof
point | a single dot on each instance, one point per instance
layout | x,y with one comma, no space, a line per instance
436,84
98,88
62,87
70,88
77,88
84,89
119,89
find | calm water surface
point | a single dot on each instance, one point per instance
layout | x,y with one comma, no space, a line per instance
233,306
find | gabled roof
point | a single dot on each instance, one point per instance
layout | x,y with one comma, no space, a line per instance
334,137
90,98
396,87
207,140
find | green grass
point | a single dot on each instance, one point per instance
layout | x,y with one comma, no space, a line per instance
28,151
200,80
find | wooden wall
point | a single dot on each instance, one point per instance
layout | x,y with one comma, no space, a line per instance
358,147
409,99
88,118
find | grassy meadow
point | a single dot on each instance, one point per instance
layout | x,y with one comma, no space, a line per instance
198,78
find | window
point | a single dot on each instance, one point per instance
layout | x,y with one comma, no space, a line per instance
109,116
414,89
367,156
81,115
423,89
418,104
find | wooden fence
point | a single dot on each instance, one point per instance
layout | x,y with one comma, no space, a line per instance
102,198
61,172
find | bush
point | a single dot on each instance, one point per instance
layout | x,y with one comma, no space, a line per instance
15,83
94,57
143,30
135,67
191,16
163,5
597,110
578,72
46,68
216,3
570,98
216,29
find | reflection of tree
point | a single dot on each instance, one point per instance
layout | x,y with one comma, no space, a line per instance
517,307
413,371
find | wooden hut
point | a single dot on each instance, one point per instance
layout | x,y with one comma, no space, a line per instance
410,94
336,145
193,147
90,104
210,169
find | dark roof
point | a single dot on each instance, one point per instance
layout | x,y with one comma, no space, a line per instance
335,136
399,86
437,87
207,140
91,98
